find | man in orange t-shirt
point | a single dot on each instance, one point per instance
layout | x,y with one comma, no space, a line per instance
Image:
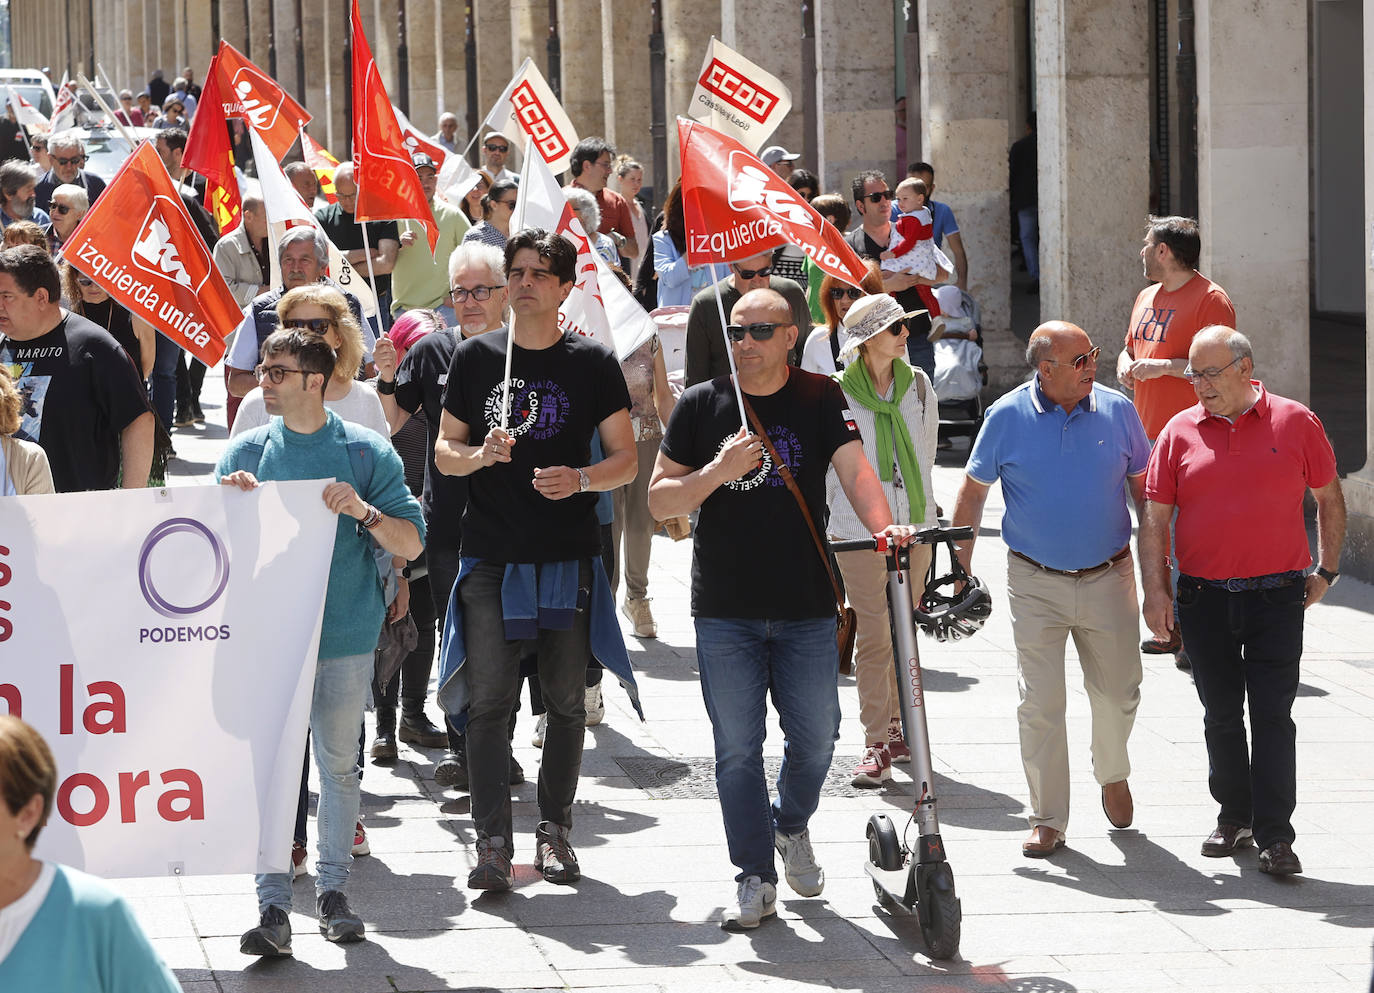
1166,316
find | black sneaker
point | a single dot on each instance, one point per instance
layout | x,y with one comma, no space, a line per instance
384,747
418,729
517,771
452,770
337,920
493,871
272,936
553,856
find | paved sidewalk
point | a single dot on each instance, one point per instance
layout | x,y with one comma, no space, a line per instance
1129,910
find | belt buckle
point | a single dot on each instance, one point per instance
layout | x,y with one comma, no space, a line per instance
1235,586
1071,572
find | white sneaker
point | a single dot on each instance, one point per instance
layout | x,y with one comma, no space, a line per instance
937,329
537,739
596,706
799,862
640,616
756,900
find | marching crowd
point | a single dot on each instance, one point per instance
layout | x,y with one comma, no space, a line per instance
498,478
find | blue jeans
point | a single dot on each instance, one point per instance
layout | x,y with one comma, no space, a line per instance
336,713
163,382
742,660
1028,219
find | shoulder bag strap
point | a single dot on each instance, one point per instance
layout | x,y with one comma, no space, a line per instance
792,488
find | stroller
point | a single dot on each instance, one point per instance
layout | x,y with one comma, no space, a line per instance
960,372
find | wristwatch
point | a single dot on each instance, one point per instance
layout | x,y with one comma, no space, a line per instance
1329,575
584,481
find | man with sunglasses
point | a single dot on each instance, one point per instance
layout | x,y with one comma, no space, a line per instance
761,596
1237,467
707,357
495,148
69,205
420,279
68,155
1067,451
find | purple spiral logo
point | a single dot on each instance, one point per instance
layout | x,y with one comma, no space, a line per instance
179,525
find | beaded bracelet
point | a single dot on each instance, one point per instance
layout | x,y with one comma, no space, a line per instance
372,518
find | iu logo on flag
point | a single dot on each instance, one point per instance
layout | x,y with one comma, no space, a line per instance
537,123
155,252
742,94
752,186
249,87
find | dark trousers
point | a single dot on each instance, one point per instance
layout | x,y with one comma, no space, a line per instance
1246,647
492,668
442,558
411,682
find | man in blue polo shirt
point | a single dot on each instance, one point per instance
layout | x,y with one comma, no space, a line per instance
1065,449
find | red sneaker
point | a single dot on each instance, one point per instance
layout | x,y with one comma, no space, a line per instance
360,845
875,768
298,854
896,744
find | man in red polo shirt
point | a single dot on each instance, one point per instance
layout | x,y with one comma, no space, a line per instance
1237,466
591,163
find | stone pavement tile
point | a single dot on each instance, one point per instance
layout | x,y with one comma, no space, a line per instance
1132,960
1278,928
683,977
184,956
1004,934
162,916
1251,974
198,986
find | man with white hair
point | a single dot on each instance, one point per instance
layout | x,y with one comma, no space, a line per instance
17,182
589,215
69,205
68,154
447,135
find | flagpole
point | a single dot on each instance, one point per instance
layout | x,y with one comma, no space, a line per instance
371,278
729,352
23,129
81,78
505,383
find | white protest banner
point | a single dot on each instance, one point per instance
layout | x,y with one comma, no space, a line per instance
738,98
27,114
163,642
598,306
454,177
528,105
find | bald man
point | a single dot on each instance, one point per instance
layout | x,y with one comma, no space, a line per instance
1066,450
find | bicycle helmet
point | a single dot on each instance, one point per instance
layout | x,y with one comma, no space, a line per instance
951,616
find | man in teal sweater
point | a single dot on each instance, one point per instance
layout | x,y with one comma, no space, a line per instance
306,441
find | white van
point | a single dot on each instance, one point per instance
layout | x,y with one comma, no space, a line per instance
33,85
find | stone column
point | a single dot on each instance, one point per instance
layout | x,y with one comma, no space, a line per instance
625,79
380,19
529,35
1093,91
259,33
134,63
497,47
233,26
317,95
966,93
200,37
331,126
579,31
450,82
768,33
855,89
422,40
1253,175
687,26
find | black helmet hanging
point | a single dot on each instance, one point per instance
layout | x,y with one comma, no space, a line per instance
945,614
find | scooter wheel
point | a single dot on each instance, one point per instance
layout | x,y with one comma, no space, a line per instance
940,914
884,851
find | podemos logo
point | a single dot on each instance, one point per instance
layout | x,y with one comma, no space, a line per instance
183,565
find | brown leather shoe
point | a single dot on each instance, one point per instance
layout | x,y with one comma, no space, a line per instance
1043,842
1117,804
1225,840
1153,646
1279,859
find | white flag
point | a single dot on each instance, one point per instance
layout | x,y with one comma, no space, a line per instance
64,112
27,114
738,98
455,177
285,209
598,306
528,105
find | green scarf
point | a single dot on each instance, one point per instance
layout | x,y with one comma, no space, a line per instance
891,427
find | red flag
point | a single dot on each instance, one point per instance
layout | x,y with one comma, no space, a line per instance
142,247
317,157
256,97
208,150
735,207
388,187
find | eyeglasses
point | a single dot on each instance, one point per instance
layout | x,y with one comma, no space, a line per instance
74,160
61,208
877,197
316,325
461,293
1208,374
759,332
840,292
754,273
84,281
1079,361
497,148
276,373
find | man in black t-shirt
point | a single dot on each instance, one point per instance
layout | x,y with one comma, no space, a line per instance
83,399
761,596
342,228
531,521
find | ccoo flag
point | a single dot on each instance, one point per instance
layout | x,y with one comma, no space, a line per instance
528,105
738,98
735,206
139,243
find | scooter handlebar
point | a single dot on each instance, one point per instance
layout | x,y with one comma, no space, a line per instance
881,542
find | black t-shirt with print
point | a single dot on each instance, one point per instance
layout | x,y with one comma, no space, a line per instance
753,555
559,396
420,382
346,233
79,391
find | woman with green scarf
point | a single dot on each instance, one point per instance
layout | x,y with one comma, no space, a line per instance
894,406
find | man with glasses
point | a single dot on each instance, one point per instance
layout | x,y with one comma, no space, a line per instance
707,357
761,596
343,229
421,279
68,155
306,441
495,148
1236,466
590,165
873,200
1067,450
69,205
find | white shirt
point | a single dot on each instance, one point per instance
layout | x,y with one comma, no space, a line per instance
816,356
360,406
15,918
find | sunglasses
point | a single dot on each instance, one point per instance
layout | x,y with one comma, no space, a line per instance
316,325
74,160
1210,375
759,332
754,273
840,292
276,373
1079,361
60,208
84,281
461,293
497,148
877,197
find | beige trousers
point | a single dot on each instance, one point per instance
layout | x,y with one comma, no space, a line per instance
1102,615
633,525
865,585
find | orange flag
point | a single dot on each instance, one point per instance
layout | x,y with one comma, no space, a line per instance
209,153
141,246
388,186
256,97
317,157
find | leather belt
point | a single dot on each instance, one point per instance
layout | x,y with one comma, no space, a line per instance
1246,584
1076,573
